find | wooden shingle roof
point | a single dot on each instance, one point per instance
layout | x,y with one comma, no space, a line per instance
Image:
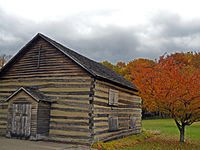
96,69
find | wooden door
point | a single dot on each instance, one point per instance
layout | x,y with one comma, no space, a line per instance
21,120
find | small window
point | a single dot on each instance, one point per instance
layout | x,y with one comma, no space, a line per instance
132,122
113,123
113,97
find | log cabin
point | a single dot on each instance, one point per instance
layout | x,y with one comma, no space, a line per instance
48,91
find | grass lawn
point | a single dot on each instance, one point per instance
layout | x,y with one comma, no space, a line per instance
168,127
161,142
166,137
169,136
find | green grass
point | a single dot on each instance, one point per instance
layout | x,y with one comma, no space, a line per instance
169,136
161,142
168,127
166,137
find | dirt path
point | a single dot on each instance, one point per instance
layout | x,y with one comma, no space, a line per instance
17,144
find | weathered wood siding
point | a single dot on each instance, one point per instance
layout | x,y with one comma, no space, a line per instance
66,84
43,119
3,117
129,105
22,97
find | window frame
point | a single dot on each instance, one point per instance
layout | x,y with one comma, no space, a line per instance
132,122
113,123
113,97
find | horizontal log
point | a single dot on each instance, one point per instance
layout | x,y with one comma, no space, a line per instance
45,79
108,131
3,106
100,127
115,136
106,120
46,73
45,66
81,105
100,109
43,71
69,89
7,92
3,97
43,75
3,124
3,118
55,81
49,58
69,129
3,113
69,109
68,113
77,107
50,85
69,117
68,93
69,136
131,105
119,115
55,98
70,123
112,134
47,76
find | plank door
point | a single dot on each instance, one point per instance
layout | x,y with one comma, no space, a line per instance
21,120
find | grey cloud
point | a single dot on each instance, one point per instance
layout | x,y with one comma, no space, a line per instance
110,43
172,25
165,32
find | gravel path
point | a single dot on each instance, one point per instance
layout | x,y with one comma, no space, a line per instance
17,144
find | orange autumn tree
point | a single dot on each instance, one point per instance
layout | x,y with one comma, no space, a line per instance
171,88
130,67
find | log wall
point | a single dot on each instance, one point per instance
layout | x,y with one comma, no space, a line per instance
59,78
129,105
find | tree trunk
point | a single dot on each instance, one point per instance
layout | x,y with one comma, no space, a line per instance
182,134
181,128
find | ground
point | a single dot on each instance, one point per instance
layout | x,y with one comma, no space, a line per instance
16,144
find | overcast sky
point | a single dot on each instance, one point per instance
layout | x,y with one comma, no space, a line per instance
113,30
